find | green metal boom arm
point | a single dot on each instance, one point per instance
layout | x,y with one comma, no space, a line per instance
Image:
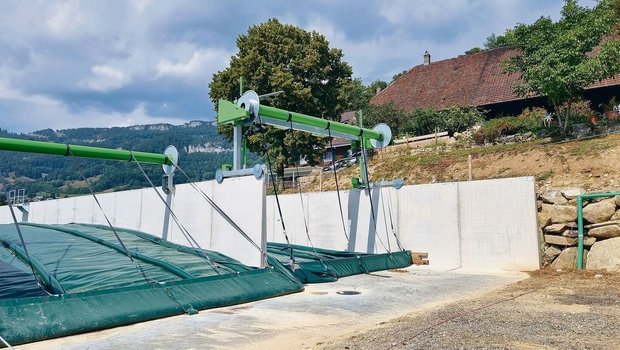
248,107
19,145
320,123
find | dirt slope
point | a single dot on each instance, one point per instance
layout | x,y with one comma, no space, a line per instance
593,164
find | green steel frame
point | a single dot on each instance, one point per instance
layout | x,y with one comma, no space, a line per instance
229,113
580,199
61,149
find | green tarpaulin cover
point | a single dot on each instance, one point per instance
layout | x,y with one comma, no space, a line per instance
91,284
85,281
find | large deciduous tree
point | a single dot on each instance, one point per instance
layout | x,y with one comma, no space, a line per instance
559,59
274,56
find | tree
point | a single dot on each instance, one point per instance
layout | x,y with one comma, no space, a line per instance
473,50
272,57
496,41
559,59
398,75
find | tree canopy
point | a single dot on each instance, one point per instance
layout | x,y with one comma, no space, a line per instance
274,56
559,59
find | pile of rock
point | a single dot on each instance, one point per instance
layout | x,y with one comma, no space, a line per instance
557,218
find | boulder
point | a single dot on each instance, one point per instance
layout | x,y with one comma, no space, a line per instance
544,219
617,201
588,241
554,197
599,212
551,252
571,232
555,229
572,193
616,216
567,260
605,255
560,240
603,232
559,213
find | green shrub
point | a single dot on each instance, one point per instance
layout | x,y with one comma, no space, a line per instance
454,119
530,120
577,111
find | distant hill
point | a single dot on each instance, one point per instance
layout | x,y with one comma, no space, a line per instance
202,152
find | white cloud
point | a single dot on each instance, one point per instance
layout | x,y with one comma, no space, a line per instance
34,112
106,78
195,67
9,94
140,6
406,11
64,17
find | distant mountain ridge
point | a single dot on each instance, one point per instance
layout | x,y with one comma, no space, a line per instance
202,151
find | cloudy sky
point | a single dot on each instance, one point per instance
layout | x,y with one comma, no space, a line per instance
67,64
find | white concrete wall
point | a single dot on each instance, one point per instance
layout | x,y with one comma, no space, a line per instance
477,224
489,224
241,198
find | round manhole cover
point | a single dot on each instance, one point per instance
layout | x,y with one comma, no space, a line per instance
348,292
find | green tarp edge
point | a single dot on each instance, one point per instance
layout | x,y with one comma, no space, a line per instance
37,318
336,264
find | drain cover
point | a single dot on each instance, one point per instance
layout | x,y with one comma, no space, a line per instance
348,292
319,293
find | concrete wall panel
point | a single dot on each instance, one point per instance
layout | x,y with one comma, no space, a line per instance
428,222
241,199
498,224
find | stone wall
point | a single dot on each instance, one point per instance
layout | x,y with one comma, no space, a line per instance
558,231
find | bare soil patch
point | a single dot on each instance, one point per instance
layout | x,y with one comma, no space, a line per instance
550,310
592,164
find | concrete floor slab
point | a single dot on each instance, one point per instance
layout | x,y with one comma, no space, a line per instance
301,320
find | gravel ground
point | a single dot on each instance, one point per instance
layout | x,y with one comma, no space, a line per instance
550,310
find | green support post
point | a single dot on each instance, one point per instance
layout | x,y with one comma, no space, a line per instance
580,199
362,166
245,153
580,234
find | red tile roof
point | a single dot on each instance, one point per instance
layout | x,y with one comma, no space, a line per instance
468,80
348,117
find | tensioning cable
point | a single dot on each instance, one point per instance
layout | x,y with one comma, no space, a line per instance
220,211
21,238
332,149
372,208
400,246
303,212
190,239
275,191
3,341
118,238
387,235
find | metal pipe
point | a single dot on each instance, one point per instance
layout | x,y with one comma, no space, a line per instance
60,149
319,123
580,199
580,235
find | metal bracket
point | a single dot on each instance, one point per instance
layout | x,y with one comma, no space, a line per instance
257,171
396,183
